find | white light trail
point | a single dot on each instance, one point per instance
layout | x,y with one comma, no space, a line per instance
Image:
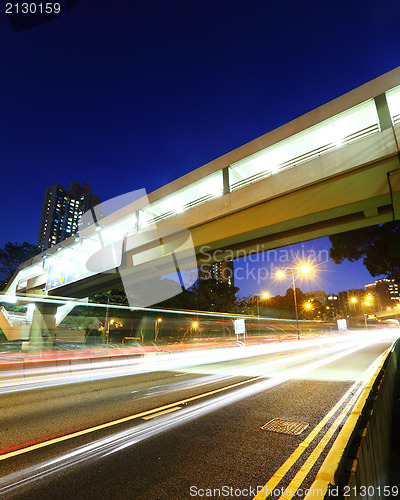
85,372
118,441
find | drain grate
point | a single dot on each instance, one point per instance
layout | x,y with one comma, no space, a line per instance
285,426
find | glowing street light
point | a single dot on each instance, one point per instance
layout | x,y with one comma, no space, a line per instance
156,328
264,296
193,328
368,300
303,269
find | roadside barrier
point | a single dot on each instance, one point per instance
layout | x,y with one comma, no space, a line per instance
357,466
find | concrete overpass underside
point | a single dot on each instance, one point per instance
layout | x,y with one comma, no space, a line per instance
338,169
332,194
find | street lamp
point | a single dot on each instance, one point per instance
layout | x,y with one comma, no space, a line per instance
264,295
303,269
353,301
367,303
194,326
156,328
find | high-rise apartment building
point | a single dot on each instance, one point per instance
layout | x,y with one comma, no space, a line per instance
385,292
221,272
61,211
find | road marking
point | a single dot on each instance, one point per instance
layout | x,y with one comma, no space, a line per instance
332,460
289,463
161,413
308,464
4,455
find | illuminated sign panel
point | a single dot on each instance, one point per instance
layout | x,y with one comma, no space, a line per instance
73,266
240,327
153,262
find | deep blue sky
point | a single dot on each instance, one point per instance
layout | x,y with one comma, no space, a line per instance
125,95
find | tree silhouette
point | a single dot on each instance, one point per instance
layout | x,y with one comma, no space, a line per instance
378,246
11,256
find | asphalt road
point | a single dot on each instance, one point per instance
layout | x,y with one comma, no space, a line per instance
182,425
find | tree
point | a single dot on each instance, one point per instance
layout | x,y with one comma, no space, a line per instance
378,246
277,306
12,255
286,302
205,295
114,296
184,300
214,296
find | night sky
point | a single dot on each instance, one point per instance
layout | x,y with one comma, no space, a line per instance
127,95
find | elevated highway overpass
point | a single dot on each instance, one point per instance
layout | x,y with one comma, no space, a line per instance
333,169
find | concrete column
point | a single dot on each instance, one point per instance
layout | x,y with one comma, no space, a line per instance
43,327
385,121
225,180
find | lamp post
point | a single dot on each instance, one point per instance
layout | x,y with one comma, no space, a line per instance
156,328
194,326
265,295
373,300
353,300
303,269
308,306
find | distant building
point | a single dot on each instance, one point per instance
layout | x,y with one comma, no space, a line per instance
221,272
318,295
385,293
350,301
332,302
61,211
326,305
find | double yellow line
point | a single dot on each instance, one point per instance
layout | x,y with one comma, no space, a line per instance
298,479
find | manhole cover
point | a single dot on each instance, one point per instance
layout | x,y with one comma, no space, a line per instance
284,426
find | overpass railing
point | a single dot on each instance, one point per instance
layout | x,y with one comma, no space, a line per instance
336,132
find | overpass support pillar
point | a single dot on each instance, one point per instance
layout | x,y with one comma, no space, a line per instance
382,108
226,181
43,326
394,183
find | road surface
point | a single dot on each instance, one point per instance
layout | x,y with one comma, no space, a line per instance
182,425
